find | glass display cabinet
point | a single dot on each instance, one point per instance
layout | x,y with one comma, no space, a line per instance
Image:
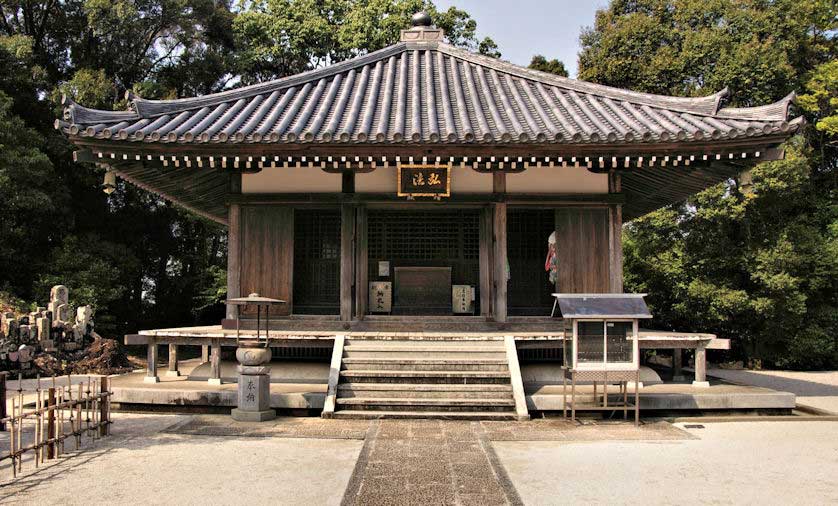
600,350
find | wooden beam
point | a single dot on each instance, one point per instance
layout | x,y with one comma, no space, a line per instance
767,145
361,264
500,267
334,377
474,200
347,260
348,181
499,182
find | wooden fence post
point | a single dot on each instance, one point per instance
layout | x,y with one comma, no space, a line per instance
104,408
51,424
3,397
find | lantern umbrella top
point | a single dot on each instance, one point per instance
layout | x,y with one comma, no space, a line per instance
254,299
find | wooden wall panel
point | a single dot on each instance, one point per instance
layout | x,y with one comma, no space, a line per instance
267,253
583,249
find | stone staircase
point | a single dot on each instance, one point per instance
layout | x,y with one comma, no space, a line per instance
457,379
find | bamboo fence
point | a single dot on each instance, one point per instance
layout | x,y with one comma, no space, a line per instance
59,412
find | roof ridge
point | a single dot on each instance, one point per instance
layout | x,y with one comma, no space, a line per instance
776,111
148,108
706,106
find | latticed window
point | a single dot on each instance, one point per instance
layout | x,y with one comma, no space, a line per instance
424,235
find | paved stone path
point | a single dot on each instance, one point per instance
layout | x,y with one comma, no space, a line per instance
428,462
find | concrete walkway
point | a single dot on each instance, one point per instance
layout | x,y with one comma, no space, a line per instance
815,389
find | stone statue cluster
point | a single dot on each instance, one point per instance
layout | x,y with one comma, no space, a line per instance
49,329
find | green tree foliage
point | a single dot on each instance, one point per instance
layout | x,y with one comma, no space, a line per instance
760,264
554,66
277,38
821,99
58,226
30,204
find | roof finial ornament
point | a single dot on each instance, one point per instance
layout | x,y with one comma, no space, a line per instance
421,18
423,29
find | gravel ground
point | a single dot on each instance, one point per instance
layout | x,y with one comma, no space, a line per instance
817,389
728,463
140,464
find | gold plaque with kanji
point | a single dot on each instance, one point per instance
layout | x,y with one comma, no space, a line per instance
424,181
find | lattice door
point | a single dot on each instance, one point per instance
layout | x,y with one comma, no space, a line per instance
426,238
529,287
317,261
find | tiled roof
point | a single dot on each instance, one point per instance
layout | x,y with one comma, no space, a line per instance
428,93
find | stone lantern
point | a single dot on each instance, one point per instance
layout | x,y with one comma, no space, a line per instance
254,357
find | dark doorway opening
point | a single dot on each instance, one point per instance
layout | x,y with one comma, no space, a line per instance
529,290
317,261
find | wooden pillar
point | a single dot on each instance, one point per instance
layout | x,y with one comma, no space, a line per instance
204,353
701,367
486,266
215,363
233,257
615,249
615,237
677,364
362,264
173,366
500,268
347,260
151,367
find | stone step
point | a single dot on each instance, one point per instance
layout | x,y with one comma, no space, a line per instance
424,391
426,346
439,415
413,404
426,364
412,354
413,377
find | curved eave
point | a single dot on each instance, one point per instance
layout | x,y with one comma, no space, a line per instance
430,150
